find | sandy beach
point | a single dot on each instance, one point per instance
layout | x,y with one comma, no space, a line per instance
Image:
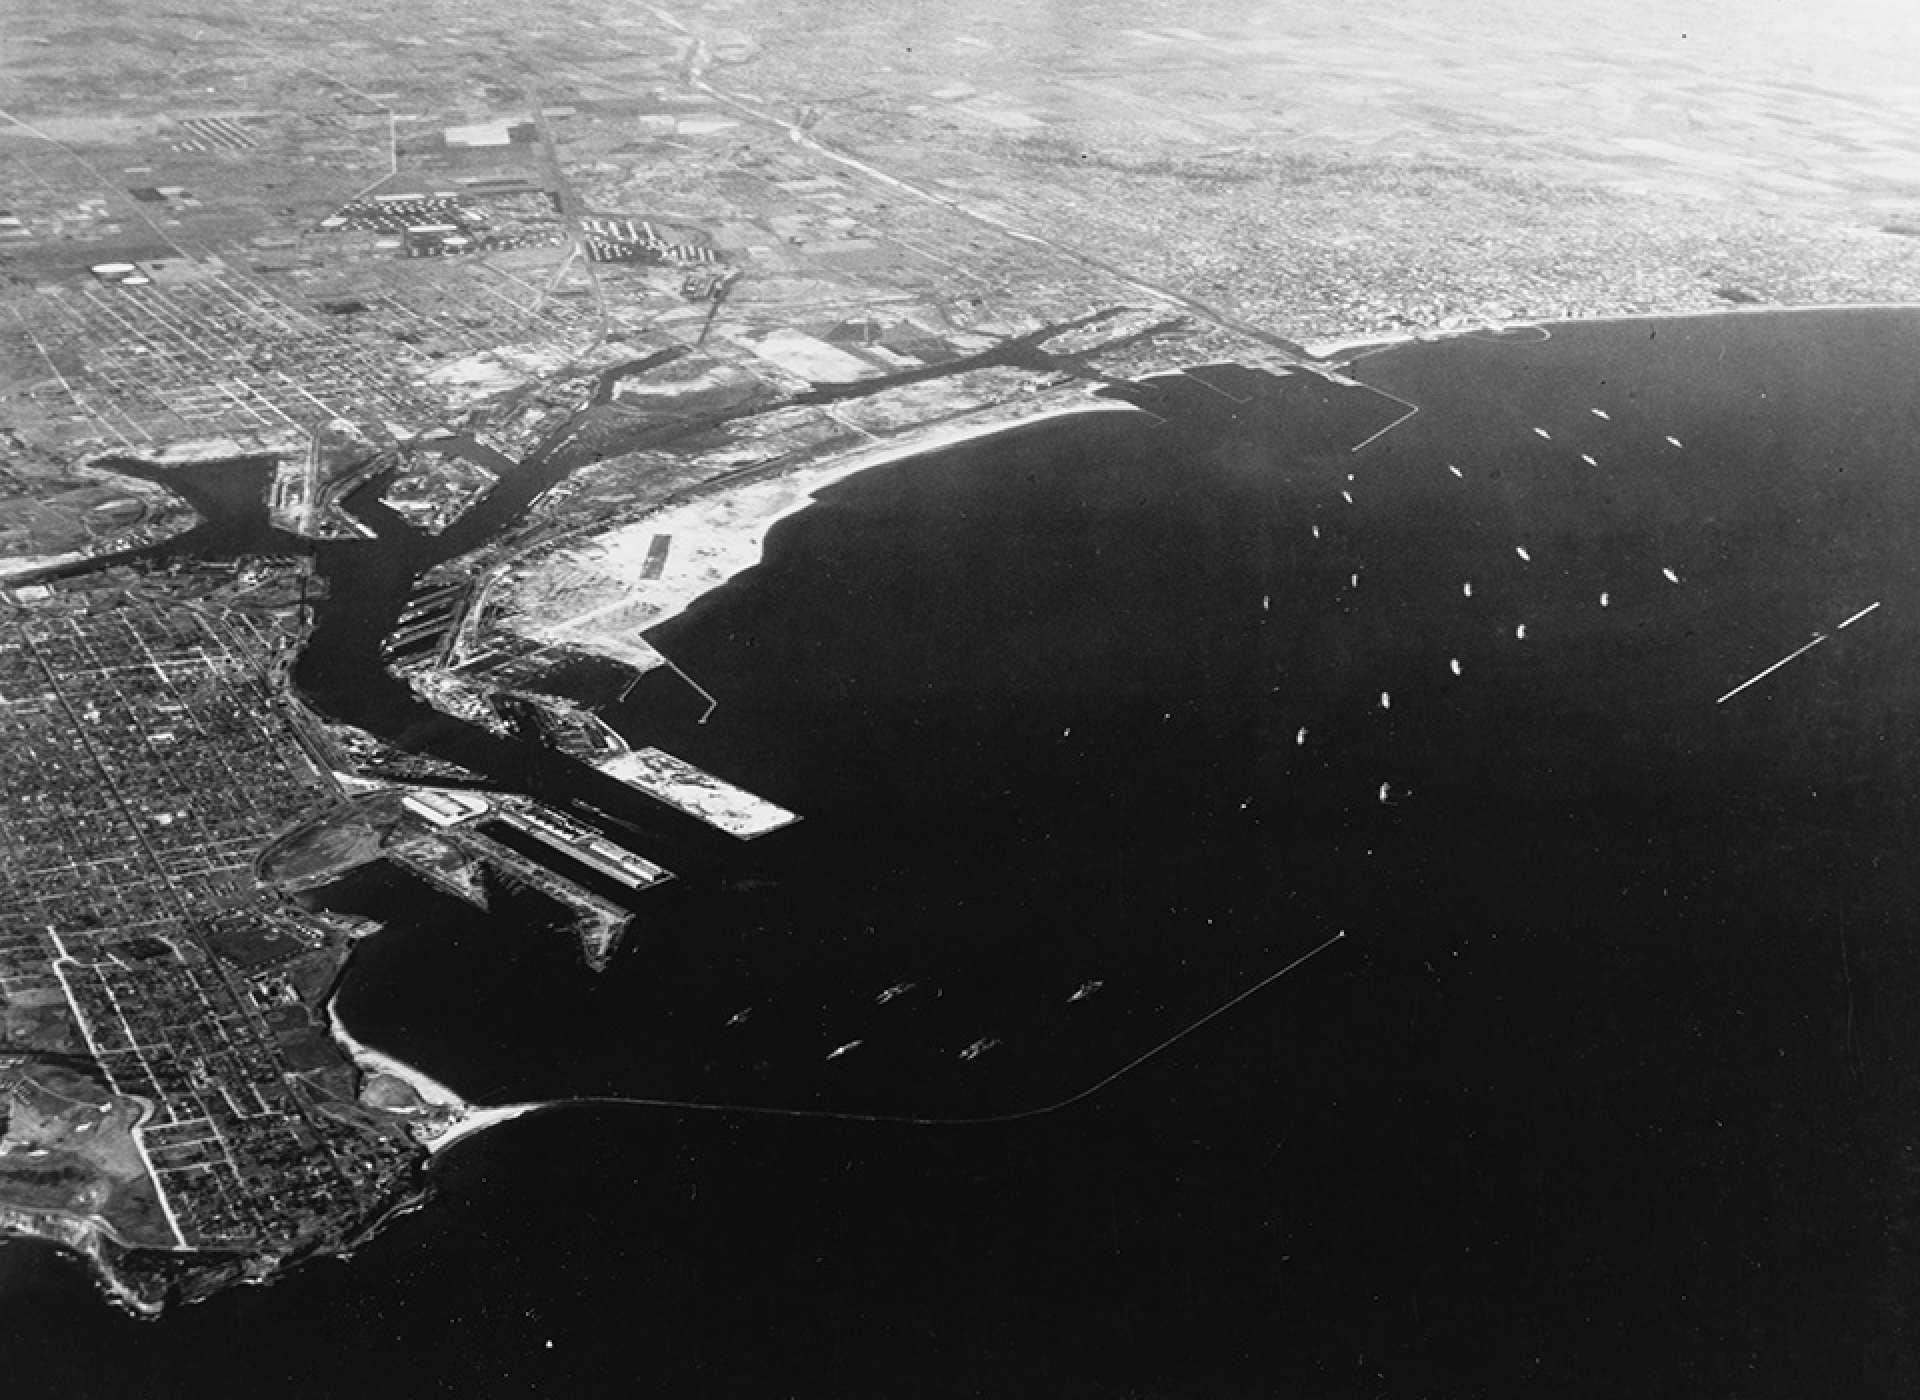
596,597
1334,350
431,1091
458,1118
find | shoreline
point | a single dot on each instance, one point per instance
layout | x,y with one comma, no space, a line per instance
720,532
84,1239
430,1090
716,516
724,526
462,1119
478,1120
1343,350
730,522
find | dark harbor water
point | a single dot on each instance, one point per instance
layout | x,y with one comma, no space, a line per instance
1612,1087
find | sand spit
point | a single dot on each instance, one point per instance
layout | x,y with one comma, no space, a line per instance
446,1117
599,596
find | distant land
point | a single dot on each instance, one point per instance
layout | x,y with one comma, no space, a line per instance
368,378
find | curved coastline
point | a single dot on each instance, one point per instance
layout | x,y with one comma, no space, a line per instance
1335,353
742,513
725,525
449,1117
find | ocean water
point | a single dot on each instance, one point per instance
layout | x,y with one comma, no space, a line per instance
1609,1087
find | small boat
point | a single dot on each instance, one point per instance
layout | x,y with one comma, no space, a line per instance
838,1051
979,1047
739,1018
1086,990
898,989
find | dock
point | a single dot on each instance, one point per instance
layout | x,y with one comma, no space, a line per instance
698,793
584,844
